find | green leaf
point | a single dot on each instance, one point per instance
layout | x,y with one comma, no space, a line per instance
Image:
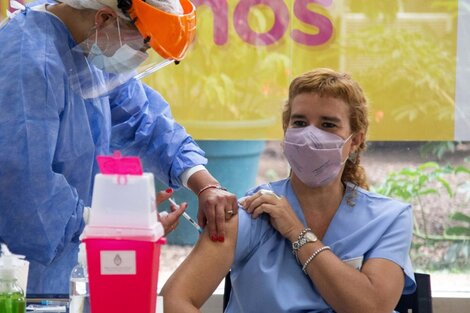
446,185
427,165
428,192
458,231
422,179
408,172
461,217
461,169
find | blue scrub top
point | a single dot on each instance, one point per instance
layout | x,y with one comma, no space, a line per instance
265,274
50,137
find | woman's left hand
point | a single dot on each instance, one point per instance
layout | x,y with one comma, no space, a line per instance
282,216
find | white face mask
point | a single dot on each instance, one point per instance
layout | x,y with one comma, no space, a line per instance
125,58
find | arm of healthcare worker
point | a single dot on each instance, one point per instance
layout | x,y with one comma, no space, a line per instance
376,287
142,124
201,272
216,204
40,212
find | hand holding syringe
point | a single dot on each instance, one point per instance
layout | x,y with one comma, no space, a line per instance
187,217
195,224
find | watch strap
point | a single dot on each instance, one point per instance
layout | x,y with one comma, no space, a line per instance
301,240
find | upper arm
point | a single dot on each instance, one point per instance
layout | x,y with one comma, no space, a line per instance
387,278
198,276
387,263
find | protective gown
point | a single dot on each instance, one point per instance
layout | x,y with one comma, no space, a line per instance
50,137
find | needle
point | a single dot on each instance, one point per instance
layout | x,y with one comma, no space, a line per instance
187,217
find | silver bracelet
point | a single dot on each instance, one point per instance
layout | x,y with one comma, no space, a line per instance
314,254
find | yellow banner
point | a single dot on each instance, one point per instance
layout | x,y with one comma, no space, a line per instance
234,81
3,8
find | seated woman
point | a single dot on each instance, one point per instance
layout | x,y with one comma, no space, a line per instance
318,241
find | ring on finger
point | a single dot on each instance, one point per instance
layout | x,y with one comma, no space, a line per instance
229,212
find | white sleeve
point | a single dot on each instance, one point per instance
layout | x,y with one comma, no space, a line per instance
189,172
86,214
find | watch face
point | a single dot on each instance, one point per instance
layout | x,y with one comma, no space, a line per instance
310,237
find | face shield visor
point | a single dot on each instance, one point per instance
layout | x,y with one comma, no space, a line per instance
121,50
169,35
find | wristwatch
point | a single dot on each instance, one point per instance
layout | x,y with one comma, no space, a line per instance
305,237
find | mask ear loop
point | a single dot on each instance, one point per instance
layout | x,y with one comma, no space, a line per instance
107,41
352,157
119,31
344,142
347,139
88,48
96,40
96,36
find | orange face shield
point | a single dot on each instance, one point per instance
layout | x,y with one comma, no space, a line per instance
168,34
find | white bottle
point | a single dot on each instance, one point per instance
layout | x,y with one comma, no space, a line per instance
78,290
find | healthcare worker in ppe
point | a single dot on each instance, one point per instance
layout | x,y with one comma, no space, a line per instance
69,93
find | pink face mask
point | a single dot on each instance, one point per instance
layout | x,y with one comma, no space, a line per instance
314,154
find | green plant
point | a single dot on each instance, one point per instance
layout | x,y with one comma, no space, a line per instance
232,82
418,68
458,252
422,186
461,230
437,148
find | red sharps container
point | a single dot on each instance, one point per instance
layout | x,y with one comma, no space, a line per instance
123,238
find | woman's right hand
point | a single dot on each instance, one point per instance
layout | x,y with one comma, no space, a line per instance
282,216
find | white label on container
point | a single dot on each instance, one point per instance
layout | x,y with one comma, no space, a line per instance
118,262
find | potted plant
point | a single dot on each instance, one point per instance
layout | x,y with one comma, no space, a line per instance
230,99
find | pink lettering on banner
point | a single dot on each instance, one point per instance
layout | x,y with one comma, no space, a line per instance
220,13
324,25
282,16
8,8
281,22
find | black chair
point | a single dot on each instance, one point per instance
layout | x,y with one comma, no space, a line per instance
227,290
421,300
418,302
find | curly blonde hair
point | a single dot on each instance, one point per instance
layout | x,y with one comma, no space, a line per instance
329,83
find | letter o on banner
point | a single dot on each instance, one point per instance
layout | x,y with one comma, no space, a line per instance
281,22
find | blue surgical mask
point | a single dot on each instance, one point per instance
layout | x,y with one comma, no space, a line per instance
123,60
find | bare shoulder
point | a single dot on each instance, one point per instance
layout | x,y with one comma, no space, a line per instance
202,271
